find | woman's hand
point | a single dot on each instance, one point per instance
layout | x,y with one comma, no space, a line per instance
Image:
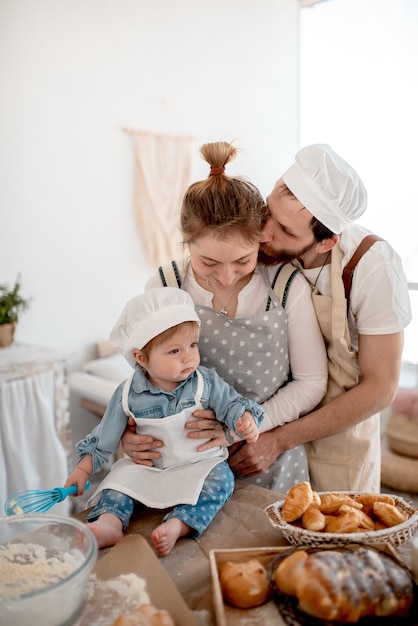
140,448
206,426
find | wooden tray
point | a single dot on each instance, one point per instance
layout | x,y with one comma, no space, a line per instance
268,614
265,615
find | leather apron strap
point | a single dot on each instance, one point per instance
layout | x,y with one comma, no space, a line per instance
365,244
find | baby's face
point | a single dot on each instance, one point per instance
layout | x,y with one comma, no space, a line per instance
175,359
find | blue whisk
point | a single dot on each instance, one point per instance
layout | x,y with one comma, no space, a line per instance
38,501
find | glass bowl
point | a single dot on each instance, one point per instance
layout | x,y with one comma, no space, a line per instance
45,563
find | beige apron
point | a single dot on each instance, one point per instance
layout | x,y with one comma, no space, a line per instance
347,461
180,478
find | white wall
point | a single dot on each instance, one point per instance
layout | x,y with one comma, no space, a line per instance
73,74
368,112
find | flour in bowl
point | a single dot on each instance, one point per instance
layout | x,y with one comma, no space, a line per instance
25,567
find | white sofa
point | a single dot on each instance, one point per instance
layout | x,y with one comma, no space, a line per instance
99,378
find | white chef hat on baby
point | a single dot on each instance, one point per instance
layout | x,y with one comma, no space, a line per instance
149,314
327,186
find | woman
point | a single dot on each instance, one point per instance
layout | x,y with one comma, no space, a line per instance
270,349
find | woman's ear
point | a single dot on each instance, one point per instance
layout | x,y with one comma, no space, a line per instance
139,357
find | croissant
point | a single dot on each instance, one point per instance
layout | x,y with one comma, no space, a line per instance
388,514
346,522
365,521
313,519
346,585
298,498
368,499
331,502
316,498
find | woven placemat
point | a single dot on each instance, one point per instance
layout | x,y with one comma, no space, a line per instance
398,472
402,434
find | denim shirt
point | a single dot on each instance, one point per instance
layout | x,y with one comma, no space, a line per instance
146,400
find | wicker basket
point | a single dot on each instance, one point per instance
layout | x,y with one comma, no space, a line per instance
402,434
395,536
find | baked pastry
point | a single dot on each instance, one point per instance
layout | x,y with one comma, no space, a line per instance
340,512
368,499
345,522
331,502
365,522
298,498
145,615
389,514
286,575
316,498
245,585
313,518
346,585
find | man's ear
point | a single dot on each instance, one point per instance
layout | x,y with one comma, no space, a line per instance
139,357
327,244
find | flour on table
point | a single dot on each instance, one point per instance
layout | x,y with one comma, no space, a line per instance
107,599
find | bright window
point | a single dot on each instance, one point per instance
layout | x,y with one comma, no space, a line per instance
359,93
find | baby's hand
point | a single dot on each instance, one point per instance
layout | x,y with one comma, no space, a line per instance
79,477
247,428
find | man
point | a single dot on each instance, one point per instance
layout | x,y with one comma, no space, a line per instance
313,207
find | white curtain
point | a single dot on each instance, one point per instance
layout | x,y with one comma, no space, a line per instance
32,455
162,175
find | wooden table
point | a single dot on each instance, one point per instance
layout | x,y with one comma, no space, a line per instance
242,523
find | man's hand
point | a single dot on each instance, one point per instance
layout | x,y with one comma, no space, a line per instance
249,459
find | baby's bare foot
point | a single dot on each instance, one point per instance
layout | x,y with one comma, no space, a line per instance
164,537
107,529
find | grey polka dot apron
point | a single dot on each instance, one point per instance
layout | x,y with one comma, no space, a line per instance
182,471
251,354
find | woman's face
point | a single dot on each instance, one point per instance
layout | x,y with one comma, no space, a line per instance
223,261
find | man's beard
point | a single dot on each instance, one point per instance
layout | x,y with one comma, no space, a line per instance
267,255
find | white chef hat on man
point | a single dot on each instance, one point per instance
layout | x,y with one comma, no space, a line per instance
327,186
148,315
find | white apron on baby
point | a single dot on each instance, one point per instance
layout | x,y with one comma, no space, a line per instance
182,470
350,460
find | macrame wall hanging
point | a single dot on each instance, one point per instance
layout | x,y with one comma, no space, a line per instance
162,175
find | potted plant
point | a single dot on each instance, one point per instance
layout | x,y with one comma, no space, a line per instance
12,304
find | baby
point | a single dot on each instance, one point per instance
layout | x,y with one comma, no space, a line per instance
158,334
